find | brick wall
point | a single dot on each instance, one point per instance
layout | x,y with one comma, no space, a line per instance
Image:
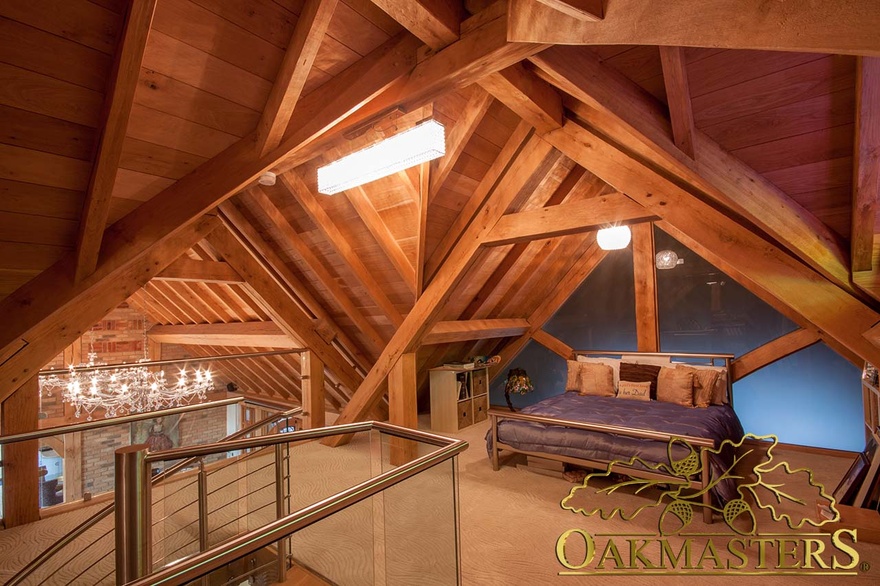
98,448
203,427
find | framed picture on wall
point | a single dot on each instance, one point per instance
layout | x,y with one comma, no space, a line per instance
160,433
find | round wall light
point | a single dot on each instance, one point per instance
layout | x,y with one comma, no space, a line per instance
613,238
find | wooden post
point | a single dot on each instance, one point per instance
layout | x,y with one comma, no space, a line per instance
312,391
73,464
21,480
402,406
645,274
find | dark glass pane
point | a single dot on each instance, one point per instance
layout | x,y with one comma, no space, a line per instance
704,310
601,314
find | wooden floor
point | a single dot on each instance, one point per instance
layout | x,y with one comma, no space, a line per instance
510,521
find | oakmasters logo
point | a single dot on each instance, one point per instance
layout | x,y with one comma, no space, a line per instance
758,491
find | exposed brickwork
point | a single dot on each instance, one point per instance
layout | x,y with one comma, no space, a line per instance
98,448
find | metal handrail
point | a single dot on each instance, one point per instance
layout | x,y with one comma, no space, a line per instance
105,512
173,361
208,561
90,425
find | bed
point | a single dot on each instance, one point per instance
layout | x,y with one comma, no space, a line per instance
592,431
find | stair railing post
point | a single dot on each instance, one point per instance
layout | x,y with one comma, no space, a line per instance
133,514
279,509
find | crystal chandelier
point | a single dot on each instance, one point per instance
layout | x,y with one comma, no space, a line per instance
121,389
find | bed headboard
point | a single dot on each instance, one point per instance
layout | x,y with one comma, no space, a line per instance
720,360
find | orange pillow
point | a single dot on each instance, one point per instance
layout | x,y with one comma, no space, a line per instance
704,384
596,380
572,382
675,385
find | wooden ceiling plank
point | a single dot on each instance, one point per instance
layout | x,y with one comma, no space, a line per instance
254,334
295,68
117,109
476,202
744,24
186,312
309,201
379,229
280,306
569,218
186,269
261,385
582,10
755,263
435,22
158,300
375,340
645,280
532,98
772,351
619,109
458,136
445,332
866,162
525,170
678,96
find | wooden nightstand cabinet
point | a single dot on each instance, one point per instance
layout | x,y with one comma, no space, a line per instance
459,397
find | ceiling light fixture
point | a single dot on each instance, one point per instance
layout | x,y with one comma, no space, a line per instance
267,179
421,143
667,259
613,238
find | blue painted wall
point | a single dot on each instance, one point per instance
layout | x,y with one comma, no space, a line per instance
811,398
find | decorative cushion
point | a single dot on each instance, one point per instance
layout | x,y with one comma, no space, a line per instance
640,373
596,380
676,385
634,391
719,391
572,382
614,363
704,384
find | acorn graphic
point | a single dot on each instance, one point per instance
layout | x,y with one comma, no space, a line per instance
676,516
735,509
688,465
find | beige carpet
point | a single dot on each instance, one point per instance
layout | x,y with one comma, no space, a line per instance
510,521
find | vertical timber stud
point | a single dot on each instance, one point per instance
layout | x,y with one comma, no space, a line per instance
402,407
133,514
21,479
312,390
645,275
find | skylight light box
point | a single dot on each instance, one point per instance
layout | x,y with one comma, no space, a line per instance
412,147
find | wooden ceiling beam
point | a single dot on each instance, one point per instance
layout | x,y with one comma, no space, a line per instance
678,96
522,174
305,252
68,309
568,218
866,163
808,27
445,332
476,201
308,34
645,281
341,103
458,136
377,227
618,108
309,202
281,307
746,257
582,10
576,275
118,102
772,351
553,344
532,98
423,201
435,22
205,271
254,334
